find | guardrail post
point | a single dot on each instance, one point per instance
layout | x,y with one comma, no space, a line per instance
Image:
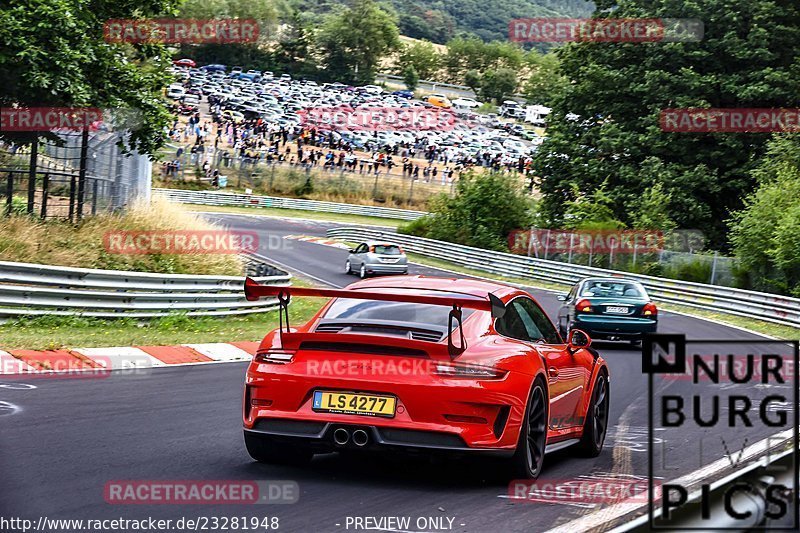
714,268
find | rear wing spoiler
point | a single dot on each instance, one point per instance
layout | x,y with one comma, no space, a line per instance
254,290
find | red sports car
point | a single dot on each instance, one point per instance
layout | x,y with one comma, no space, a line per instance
423,364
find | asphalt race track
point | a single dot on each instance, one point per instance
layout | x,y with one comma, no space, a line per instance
62,441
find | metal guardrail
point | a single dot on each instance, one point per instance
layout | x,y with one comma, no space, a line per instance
437,85
30,289
253,200
769,307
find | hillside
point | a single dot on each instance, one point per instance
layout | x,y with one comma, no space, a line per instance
440,20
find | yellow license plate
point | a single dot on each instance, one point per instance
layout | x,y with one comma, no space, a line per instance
355,404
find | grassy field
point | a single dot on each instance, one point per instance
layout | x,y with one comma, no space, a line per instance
55,242
336,186
50,333
296,213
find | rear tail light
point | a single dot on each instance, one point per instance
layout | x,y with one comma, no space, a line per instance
454,370
274,356
584,306
650,309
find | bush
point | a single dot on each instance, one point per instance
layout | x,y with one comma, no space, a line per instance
420,227
695,270
764,235
486,207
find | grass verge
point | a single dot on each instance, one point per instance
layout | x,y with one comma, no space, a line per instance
50,332
58,242
297,213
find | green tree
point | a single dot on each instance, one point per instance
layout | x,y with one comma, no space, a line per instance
486,207
423,56
294,52
497,84
545,81
246,55
472,79
765,234
53,53
591,210
410,78
470,53
353,40
747,58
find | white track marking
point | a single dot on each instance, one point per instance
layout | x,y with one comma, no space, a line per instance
120,357
220,351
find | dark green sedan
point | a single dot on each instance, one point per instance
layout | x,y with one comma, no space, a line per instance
608,308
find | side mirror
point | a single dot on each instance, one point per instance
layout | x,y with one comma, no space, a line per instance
352,250
561,297
577,339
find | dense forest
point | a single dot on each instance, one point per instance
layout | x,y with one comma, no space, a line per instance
440,20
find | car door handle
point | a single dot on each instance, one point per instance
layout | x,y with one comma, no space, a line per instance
553,371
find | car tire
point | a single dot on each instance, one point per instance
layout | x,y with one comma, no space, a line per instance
527,461
362,273
264,450
348,268
595,425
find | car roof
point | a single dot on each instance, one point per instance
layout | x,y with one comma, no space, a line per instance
612,279
473,287
381,243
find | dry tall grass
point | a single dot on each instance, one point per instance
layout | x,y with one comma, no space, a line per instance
30,240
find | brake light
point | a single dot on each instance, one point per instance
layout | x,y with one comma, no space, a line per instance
650,309
455,370
280,357
584,306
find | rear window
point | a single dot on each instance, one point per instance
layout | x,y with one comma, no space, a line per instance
432,315
387,249
608,288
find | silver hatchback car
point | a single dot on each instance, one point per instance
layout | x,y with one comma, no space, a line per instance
376,257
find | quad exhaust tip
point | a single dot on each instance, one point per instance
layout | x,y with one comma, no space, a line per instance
360,437
341,436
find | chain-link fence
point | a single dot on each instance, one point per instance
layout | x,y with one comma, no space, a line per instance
79,175
677,254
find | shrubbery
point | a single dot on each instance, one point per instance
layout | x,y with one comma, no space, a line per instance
766,234
485,208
